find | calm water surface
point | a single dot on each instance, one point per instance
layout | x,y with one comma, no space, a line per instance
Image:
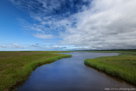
71,74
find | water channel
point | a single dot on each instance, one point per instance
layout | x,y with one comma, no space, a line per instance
71,74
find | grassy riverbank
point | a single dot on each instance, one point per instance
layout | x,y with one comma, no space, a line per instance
122,66
15,67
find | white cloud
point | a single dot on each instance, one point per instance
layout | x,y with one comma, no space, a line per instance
107,24
43,36
12,45
3,46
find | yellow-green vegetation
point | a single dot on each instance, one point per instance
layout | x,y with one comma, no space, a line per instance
122,66
15,67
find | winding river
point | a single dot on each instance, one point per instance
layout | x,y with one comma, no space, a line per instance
71,74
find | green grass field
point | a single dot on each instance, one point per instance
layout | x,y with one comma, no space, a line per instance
122,66
15,67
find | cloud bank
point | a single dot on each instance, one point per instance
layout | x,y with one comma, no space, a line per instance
84,24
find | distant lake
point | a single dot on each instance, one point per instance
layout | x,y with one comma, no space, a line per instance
71,74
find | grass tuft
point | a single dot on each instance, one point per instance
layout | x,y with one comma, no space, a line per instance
122,66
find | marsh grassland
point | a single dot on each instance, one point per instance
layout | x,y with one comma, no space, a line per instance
122,66
15,67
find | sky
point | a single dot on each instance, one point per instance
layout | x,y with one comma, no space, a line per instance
67,24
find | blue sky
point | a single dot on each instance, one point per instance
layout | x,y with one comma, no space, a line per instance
11,31
67,24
